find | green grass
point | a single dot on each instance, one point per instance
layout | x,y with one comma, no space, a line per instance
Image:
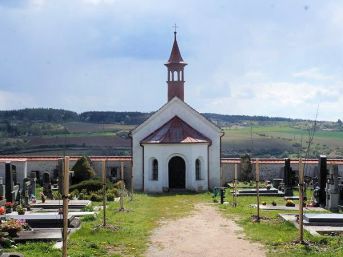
277,235
135,226
146,211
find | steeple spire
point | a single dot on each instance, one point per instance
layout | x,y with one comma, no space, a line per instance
175,67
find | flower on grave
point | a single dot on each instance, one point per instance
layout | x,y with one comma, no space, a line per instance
21,210
290,203
12,227
2,210
8,204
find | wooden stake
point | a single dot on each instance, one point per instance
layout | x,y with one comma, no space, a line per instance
258,189
65,205
104,190
301,201
235,187
131,184
122,186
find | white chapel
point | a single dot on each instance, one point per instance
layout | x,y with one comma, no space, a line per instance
176,148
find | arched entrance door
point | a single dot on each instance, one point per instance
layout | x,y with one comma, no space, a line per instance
177,172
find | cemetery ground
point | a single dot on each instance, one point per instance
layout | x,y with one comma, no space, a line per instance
146,212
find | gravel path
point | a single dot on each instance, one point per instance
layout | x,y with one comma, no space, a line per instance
205,233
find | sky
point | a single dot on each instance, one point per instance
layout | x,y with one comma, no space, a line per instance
254,57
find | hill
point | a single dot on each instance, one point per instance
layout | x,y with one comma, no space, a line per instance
52,131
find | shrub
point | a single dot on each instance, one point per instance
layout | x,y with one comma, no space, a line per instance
246,168
82,170
56,195
113,191
87,186
91,185
110,197
95,197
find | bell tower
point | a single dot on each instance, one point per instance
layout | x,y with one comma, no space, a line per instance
175,66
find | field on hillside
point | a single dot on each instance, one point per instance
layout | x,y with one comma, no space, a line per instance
273,139
280,140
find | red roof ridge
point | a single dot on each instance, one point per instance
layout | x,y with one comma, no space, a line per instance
175,131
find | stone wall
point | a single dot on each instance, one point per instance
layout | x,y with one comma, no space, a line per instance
271,171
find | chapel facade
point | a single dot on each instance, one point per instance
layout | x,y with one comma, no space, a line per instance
176,148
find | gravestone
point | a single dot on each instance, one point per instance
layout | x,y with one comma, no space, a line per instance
25,192
322,180
33,179
2,189
10,189
288,178
332,190
277,182
47,185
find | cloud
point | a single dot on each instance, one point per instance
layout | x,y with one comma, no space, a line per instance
109,54
15,100
312,74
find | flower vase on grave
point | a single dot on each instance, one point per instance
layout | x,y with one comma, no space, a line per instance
9,207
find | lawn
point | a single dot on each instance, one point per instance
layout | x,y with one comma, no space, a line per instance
277,235
146,211
134,227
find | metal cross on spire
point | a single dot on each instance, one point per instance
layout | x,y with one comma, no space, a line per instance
175,27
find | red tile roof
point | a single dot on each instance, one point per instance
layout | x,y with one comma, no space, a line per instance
175,131
175,55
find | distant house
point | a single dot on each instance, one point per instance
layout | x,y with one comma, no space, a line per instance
177,147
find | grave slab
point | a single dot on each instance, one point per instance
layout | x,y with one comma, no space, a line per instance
262,192
270,207
325,219
293,198
42,234
55,204
314,230
44,220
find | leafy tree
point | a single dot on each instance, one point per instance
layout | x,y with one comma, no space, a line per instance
83,170
246,168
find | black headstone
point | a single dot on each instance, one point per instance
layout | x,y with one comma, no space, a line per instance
288,178
9,183
323,172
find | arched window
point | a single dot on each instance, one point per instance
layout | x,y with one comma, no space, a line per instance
197,169
154,169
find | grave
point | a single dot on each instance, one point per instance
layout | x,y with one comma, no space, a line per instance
289,177
262,192
294,198
33,180
319,193
323,219
56,204
2,192
11,255
45,220
25,195
332,190
39,234
277,182
47,185
270,207
316,230
11,189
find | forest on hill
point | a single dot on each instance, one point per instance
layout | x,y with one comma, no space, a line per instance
40,131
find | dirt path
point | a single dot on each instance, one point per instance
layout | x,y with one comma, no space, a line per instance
205,233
